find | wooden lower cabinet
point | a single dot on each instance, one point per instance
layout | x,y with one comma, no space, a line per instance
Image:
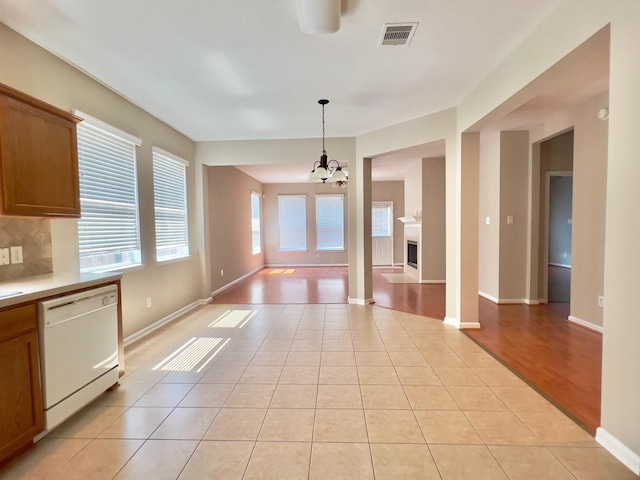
21,407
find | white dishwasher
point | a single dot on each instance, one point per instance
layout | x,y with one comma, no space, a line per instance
79,350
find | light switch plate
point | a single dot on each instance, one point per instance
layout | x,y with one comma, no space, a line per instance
4,256
16,254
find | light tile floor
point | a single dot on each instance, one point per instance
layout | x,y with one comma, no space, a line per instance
320,392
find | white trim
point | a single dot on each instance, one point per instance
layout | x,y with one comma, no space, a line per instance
163,321
488,297
531,302
110,129
585,324
170,156
470,326
503,301
360,301
235,282
454,322
292,265
619,450
433,281
561,265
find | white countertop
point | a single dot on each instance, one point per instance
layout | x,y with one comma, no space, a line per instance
50,284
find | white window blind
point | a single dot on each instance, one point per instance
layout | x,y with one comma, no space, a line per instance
108,230
256,239
381,221
330,222
292,217
170,202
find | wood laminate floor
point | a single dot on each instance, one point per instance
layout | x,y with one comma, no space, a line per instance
561,360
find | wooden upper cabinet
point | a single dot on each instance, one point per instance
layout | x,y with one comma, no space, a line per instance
38,158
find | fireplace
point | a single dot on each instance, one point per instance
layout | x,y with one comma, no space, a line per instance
412,254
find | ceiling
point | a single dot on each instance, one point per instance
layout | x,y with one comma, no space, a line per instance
242,69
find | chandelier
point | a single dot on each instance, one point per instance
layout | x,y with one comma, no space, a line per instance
324,169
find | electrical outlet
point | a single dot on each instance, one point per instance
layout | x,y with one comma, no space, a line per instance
4,256
487,220
601,301
222,273
16,254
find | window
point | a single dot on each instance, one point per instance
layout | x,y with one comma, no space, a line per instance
108,231
381,220
330,222
170,202
256,240
292,217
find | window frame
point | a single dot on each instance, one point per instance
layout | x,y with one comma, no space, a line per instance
256,250
93,137
162,159
342,247
300,248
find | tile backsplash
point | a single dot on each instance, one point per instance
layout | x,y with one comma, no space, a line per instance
34,235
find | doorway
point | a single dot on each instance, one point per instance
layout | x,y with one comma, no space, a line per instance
382,233
560,201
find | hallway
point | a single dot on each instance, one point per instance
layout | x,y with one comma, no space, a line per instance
559,359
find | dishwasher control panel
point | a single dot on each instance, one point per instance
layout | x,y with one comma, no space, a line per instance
75,305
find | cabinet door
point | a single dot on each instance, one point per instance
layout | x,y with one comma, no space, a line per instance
39,160
21,412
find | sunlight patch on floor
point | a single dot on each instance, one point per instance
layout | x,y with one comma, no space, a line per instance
233,319
191,354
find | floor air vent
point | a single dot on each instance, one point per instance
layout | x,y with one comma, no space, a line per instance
397,33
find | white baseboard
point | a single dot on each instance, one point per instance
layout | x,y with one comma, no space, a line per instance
163,321
531,302
488,297
585,324
433,281
563,265
503,301
360,301
454,322
619,450
293,265
236,281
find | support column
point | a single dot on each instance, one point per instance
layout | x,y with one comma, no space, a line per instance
360,275
463,313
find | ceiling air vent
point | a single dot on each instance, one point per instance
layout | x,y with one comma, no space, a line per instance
397,33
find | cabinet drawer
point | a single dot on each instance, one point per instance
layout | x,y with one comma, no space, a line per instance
16,321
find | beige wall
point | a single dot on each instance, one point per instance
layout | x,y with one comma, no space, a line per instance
273,255
621,355
229,208
489,206
171,286
434,265
504,184
413,189
393,191
514,184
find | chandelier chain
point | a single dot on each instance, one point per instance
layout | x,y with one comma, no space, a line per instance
323,150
